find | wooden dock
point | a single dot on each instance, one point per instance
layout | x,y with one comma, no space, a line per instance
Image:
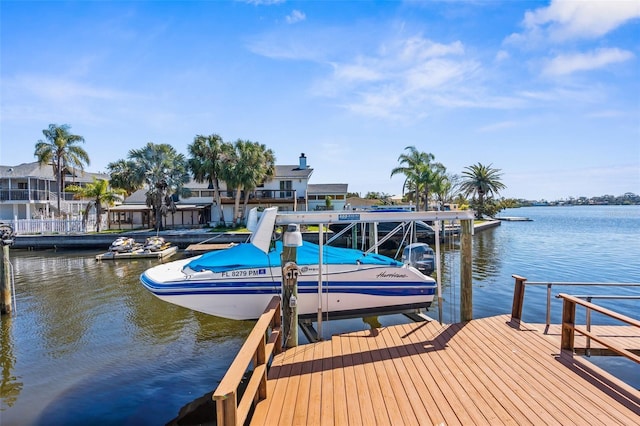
487,371
195,249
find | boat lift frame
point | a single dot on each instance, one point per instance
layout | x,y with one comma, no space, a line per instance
351,217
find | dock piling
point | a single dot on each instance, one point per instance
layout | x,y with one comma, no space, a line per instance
6,283
466,270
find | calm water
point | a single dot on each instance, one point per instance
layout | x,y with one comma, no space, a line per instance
88,345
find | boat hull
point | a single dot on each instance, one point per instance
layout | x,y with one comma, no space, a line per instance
243,294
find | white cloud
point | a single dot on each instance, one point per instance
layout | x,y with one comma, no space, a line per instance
576,19
296,16
401,78
570,63
502,55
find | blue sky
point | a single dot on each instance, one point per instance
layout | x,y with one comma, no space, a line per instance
548,92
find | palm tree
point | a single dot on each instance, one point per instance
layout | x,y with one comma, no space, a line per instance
421,174
249,164
159,169
483,181
260,167
208,154
61,150
124,175
100,194
445,187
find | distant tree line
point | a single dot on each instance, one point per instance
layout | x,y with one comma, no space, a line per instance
627,199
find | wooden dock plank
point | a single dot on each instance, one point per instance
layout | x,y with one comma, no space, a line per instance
384,377
563,409
278,374
301,404
359,384
601,391
451,379
411,407
377,400
545,377
314,414
501,382
340,410
499,406
486,371
438,407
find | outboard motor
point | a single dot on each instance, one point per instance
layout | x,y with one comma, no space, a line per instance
420,256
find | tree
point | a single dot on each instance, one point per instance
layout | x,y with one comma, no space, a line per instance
161,171
100,194
124,175
61,149
248,165
208,154
481,181
445,188
421,174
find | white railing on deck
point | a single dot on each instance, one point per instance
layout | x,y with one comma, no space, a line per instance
55,226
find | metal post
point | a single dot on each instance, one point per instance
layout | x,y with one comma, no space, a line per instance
436,226
548,305
588,320
466,293
320,265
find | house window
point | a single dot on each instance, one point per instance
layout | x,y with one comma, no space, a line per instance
286,187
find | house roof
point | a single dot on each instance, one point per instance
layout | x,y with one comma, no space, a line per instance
293,171
35,170
328,188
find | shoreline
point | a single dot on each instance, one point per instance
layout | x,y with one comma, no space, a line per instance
180,238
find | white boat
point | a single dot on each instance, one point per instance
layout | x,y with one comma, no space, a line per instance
238,282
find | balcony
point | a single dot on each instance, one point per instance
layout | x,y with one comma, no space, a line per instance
262,195
23,195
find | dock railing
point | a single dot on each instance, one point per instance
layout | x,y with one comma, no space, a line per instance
569,327
263,342
521,283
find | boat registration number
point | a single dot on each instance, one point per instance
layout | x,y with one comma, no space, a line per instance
244,273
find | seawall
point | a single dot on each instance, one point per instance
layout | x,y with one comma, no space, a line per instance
180,238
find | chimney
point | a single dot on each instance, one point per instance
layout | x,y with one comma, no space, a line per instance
303,162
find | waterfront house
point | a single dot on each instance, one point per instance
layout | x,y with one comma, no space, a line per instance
327,196
289,190
30,191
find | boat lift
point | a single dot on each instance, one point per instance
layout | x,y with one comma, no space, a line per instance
352,217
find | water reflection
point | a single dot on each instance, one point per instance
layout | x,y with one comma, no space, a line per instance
10,386
88,342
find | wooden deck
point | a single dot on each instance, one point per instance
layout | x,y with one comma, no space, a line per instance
487,371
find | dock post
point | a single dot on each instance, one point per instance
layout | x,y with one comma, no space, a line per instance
292,239
466,293
518,298
6,284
